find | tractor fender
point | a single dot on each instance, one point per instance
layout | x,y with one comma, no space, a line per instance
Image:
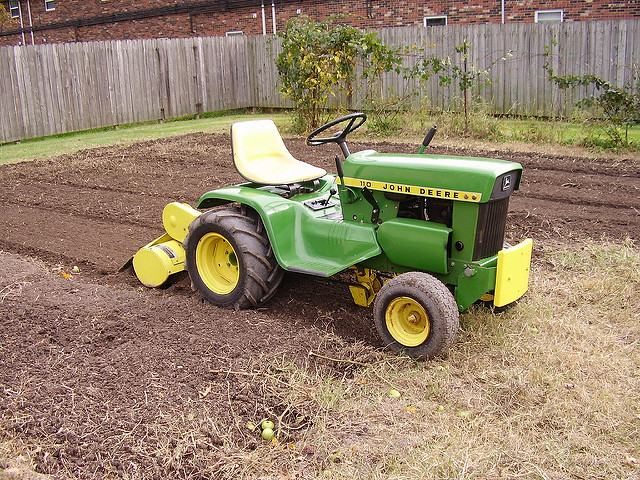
301,241
423,245
176,218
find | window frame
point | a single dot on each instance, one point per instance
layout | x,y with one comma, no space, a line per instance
49,5
435,17
551,11
234,33
16,8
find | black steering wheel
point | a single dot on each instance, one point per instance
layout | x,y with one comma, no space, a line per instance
355,121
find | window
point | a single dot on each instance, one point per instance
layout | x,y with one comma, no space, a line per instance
49,5
14,8
435,21
234,33
549,16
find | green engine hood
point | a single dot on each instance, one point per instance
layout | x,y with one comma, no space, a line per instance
460,178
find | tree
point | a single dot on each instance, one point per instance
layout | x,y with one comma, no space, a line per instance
459,71
319,59
5,19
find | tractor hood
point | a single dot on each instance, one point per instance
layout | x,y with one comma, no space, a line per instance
468,179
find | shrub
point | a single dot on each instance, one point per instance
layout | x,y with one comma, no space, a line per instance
319,59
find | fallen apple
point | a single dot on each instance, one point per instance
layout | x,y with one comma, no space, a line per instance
393,393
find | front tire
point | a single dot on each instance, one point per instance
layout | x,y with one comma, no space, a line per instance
230,260
415,313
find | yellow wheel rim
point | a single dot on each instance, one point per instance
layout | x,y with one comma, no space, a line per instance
217,263
407,321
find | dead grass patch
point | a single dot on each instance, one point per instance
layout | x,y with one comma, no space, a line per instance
546,389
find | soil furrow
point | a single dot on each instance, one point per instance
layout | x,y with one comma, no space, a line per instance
574,201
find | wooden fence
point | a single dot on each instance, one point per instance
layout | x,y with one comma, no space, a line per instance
57,88
514,55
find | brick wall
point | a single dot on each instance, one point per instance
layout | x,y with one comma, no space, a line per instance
87,20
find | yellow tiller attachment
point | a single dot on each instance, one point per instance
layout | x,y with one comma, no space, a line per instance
156,261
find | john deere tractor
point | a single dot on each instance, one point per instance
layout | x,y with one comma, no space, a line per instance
423,234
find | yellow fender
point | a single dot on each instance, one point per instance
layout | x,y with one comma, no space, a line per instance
156,261
512,275
176,218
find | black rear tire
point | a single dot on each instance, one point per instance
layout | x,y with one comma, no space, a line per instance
415,313
230,260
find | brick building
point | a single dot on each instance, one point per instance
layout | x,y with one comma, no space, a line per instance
40,21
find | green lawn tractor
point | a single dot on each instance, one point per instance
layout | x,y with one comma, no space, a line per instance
422,234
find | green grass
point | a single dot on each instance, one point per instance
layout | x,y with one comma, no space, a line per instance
46,147
485,127
559,131
411,126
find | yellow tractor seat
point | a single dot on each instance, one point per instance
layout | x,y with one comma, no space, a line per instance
260,155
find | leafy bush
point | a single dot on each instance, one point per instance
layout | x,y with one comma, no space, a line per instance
619,106
319,59
4,17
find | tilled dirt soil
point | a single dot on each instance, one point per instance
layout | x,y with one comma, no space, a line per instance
100,376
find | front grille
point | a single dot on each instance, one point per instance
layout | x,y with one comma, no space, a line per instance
492,219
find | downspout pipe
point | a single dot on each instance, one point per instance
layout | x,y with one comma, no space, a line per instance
264,21
273,14
503,11
21,22
30,21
